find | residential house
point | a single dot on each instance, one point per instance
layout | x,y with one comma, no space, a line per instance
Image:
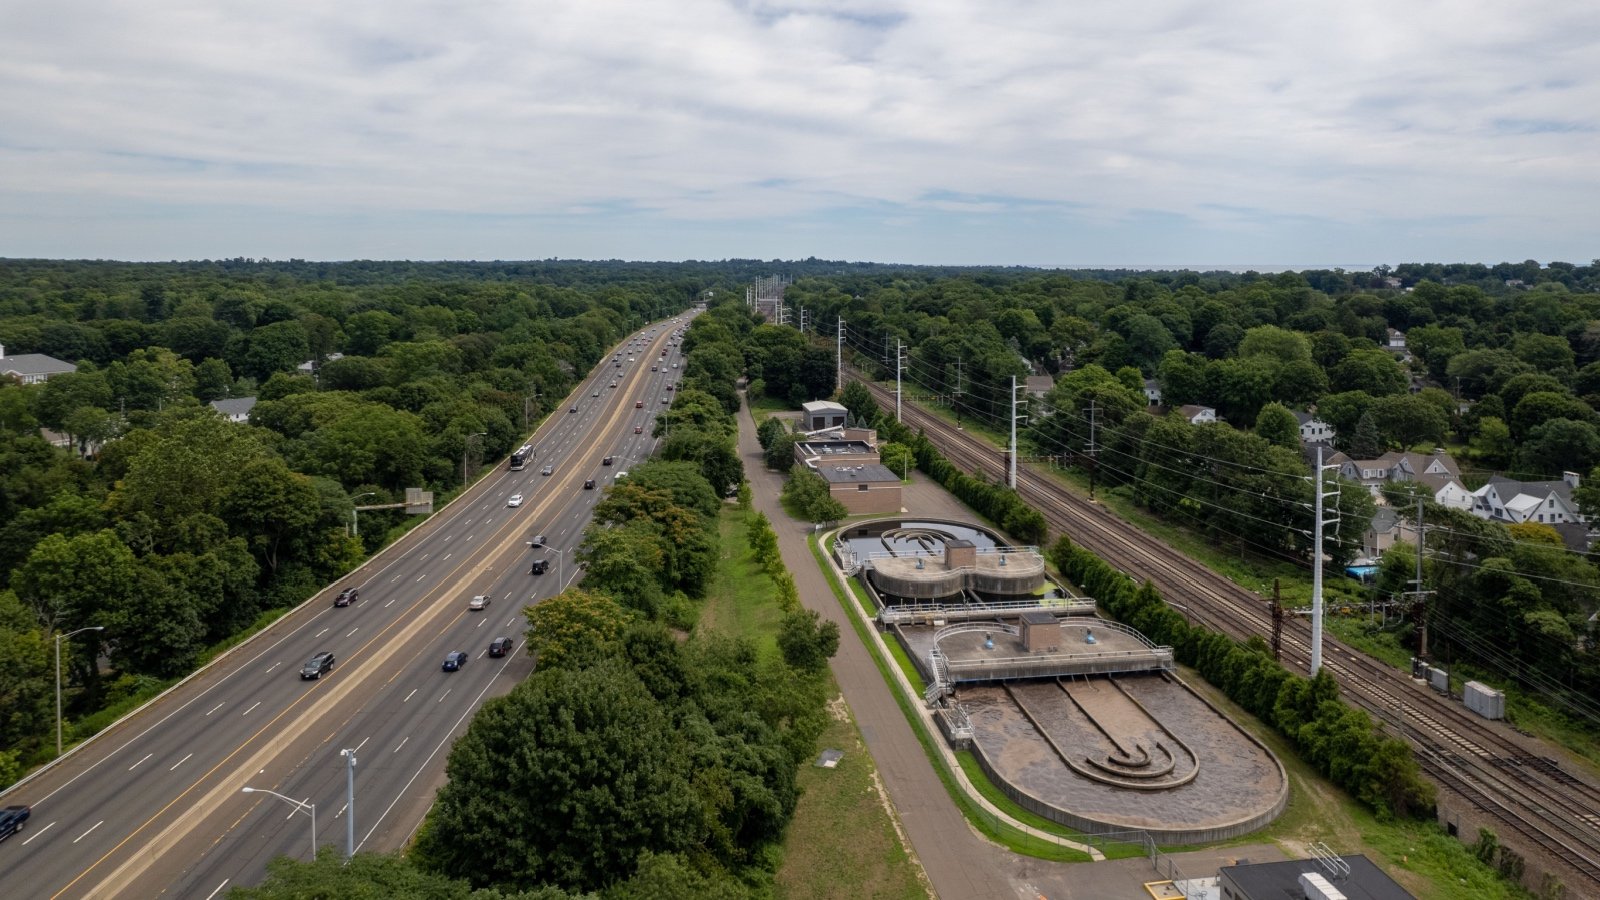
1436,471
310,366
236,410
1152,391
1388,527
1039,385
32,368
1397,339
1197,415
1545,502
1313,430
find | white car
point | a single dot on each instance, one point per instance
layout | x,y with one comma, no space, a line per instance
478,602
514,500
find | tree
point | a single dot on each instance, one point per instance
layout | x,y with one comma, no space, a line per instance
573,627
1366,442
1278,425
857,399
1373,371
277,347
1408,419
569,779
807,641
1561,445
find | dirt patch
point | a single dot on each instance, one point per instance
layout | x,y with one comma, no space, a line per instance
838,709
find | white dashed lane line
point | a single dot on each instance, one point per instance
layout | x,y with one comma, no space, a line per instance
37,833
217,707
179,763
140,762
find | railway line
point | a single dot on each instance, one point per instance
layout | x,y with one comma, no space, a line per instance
1542,811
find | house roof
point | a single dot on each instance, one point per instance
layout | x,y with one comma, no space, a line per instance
868,473
25,364
1040,384
822,406
1510,488
1190,410
1384,520
238,406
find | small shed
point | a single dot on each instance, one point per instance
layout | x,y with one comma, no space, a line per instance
1040,631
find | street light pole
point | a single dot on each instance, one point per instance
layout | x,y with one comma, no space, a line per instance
300,806
59,639
465,447
350,803
355,520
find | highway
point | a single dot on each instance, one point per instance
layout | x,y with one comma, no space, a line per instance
154,806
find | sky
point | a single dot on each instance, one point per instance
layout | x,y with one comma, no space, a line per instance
1151,133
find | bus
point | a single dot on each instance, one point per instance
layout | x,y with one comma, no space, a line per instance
519,459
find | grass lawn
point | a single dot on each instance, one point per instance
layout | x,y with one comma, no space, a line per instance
844,840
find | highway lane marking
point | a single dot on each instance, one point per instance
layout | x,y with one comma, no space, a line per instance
141,863
480,623
274,666
410,695
446,556
47,828
322,632
395,578
420,577
396,746
217,707
175,766
390,603
219,889
252,706
363,743
140,762
353,631
444,695
86,833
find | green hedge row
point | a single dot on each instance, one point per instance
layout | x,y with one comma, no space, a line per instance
1339,740
997,503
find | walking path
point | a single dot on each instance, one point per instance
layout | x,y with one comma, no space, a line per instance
959,861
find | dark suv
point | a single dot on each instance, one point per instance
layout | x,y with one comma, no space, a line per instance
500,646
11,819
346,597
539,567
317,666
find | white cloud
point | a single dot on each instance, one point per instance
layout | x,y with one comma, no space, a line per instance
1354,115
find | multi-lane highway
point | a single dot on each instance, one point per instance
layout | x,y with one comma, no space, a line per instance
155,806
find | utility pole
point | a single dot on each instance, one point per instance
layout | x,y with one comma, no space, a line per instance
1277,622
899,357
350,803
1419,602
1011,474
955,399
1093,449
838,355
1316,566
802,320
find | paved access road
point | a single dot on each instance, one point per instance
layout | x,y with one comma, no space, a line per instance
153,807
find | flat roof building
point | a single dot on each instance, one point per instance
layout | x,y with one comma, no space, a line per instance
862,488
1359,878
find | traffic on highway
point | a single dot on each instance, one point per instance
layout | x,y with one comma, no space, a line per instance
156,806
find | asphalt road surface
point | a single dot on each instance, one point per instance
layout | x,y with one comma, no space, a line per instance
154,806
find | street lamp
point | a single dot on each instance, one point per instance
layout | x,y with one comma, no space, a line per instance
299,806
59,639
355,520
561,566
350,803
466,446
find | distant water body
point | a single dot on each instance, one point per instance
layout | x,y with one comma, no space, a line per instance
1237,268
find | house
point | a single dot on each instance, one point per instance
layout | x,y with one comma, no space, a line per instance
1152,391
1397,339
1197,415
32,368
1436,471
236,410
1545,502
1387,528
863,488
820,414
312,365
1039,385
1313,430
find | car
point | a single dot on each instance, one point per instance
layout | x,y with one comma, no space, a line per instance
622,474
589,485
666,399
613,384
454,660
538,541
638,404
638,429
317,666
595,394
608,461
514,500
11,819
539,567
669,385
549,470
346,597
674,365
500,646
572,410
478,602
655,368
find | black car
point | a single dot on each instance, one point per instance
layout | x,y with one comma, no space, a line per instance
346,597
589,485
608,461
540,566
500,646
12,817
317,666
454,660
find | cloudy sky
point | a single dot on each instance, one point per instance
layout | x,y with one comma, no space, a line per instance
1073,132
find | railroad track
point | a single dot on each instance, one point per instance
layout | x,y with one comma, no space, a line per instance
1542,809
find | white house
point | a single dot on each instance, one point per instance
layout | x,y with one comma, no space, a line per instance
1313,430
1197,415
32,368
1397,339
311,365
1436,471
236,410
1547,502
1152,391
